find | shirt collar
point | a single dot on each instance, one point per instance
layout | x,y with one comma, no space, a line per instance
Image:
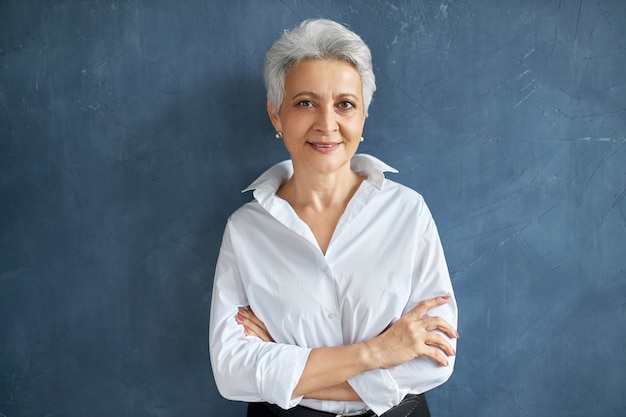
268,183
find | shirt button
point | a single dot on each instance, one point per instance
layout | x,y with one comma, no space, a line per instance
332,316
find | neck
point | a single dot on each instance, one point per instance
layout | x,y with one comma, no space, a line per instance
320,191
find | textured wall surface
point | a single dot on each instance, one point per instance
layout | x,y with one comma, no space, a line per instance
128,128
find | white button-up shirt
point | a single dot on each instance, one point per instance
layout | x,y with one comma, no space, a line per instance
384,257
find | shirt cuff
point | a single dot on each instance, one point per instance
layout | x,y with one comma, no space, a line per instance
278,372
378,390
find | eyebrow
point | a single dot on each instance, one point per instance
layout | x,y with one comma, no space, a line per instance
313,95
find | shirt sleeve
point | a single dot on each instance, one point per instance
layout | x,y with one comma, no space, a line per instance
384,388
244,367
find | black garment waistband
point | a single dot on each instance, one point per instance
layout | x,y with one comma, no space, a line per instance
411,406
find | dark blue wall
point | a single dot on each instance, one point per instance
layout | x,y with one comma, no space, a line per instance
128,128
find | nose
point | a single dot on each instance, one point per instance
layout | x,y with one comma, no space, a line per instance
326,120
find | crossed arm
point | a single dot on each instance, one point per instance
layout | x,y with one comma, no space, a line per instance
328,369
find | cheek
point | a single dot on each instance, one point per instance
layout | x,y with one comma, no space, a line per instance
292,122
356,129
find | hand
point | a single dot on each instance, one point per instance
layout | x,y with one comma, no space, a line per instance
412,336
252,326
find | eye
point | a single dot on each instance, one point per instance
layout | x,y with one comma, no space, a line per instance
305,103
345,105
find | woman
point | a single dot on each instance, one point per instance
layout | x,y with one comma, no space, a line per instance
351,309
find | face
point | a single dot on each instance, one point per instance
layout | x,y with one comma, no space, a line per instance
321,116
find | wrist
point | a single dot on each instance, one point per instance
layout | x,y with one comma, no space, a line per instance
369,355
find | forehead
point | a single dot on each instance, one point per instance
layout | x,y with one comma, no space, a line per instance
324,74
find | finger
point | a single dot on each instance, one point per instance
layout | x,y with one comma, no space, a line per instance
436,355
259,325
437,323
251,329
243,317
247,323
439,342
425,306
253,318
254,329
252,324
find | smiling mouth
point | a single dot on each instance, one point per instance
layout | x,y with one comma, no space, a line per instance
324,145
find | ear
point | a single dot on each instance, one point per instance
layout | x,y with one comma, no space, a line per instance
274,118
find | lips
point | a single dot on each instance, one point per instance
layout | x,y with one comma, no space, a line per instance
324,146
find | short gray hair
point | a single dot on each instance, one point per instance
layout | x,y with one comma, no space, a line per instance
317,39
